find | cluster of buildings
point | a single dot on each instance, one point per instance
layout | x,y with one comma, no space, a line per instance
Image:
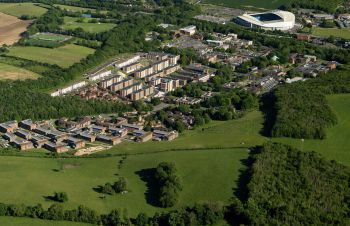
72,135
309,66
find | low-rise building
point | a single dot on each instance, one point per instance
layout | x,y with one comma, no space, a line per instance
24,134
113,140
88,136
131,127
10,126
75,143
121,132
165,135
28,124
56,147
142,136
39,141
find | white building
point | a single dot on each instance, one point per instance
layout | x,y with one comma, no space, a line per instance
272,20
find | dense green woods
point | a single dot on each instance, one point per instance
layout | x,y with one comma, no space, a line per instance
289,187
328,6
301,108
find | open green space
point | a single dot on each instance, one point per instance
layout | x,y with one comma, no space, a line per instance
268,4
243,132
50,37
19,9
337,143
20,221
336,32
71,23
64,56
15,73
202,178
209,161
76,9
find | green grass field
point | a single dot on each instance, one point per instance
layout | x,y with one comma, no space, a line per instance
19,9
336,145
77,9
20,221
71,23
64,56
208,159
268,4
15,73
50,37
28,180
336,32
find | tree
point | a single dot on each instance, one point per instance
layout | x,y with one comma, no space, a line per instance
60,197
120,185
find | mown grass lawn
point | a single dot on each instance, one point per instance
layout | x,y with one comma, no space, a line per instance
19,9
63,56
336,32
71,23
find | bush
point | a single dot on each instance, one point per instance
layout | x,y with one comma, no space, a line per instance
60,197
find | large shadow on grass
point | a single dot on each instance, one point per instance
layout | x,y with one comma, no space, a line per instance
147,175
245,174
233,215
267,107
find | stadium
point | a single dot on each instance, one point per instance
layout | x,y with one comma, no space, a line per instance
273,20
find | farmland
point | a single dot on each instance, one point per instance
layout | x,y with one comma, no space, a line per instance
71,23
268,4
15,73
11,28
63,56
19,9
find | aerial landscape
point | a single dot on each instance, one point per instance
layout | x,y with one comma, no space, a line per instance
174,112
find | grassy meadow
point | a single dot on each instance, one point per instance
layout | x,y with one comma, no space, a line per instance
71,23
20,221
9,72
208,159
268,4
337,144
336,32
19,9
202,178
76,9
63,56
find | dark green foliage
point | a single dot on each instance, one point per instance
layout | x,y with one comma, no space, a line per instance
120,185
199,214
301,108
328,6
289,187
60,197
168,184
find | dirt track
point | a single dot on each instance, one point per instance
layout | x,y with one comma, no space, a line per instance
11,28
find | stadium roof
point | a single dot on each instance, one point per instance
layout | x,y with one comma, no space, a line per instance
268,18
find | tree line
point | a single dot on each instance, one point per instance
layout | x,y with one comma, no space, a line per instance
301,109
